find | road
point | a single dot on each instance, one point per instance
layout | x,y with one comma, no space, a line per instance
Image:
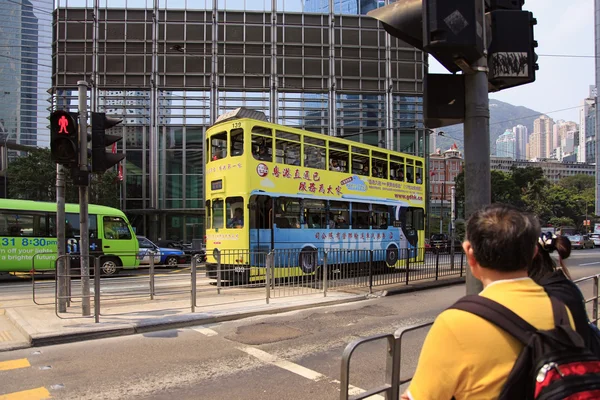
292,356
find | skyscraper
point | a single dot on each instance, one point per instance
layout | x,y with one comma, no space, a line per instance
25,70
522,137
584,113
506,144
540,142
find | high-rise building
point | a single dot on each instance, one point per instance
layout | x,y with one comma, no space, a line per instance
585,128
25,70
522,137
506,145
597,119
171,76
540,141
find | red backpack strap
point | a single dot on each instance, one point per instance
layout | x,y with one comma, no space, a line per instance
498,315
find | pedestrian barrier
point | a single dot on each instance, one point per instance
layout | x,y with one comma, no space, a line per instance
393,377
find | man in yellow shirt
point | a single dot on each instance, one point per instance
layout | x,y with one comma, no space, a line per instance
465,356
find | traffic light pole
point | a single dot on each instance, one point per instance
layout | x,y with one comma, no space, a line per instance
84,240
60,236
477,148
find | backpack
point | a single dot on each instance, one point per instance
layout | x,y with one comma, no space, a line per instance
554,364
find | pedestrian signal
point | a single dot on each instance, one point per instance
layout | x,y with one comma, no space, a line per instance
64,138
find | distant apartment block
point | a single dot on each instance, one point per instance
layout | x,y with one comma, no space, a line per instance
553,170
506,145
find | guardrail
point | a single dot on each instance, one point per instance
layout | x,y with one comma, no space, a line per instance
393,377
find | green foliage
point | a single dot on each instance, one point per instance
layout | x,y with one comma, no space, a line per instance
33,177
565,203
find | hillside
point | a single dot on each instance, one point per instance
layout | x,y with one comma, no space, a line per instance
502,116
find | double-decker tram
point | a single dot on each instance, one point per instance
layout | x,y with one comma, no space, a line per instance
271,187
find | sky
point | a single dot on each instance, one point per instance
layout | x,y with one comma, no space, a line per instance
563,28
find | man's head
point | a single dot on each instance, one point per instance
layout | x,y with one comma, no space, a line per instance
334,162
501,238
238,212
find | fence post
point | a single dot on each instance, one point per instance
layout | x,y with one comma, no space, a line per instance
97,289
595,302
462,257
218,257
437,264
370,271
151,276
325,272
268,275
193,297
407,264
68,280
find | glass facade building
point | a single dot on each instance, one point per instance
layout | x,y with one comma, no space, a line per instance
169,68
25,71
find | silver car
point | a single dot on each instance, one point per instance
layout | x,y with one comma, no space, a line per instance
581,242
596,238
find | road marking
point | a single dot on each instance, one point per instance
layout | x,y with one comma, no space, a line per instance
14,364
5,336
300,370
32,394
205,331
592,263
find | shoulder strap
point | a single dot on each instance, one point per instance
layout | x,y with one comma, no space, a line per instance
497,314
559,310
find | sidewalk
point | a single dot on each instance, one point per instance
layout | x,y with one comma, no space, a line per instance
24,324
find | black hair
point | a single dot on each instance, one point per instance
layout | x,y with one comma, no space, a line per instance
503,237
543,264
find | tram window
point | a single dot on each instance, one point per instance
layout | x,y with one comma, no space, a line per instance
419,173
237,142
287,152
360,216
208,215
410,171
287,212
379,168
380,216
262,148
217,212
314,213
314,157
218,146
235,212
397,168
260,212
360,165
338,160
339,215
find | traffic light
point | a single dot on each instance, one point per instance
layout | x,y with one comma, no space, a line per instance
101,160
64,138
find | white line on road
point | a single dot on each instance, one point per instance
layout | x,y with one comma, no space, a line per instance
299,370
204,330
592,263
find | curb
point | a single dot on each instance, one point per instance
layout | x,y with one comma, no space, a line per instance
48,339
420,287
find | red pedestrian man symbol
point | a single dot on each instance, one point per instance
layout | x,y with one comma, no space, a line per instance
63,123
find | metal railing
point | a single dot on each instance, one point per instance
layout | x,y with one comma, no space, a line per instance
393,377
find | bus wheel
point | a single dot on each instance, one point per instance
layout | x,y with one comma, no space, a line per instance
391,255
308,260
110,266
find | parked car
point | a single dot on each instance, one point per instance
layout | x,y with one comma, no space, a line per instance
188,249
596,238
440,241
581,242
162,255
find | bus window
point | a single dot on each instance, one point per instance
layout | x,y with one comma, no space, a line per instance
208,215
217,213
262,143
287,212
360,216
418,218
314,153
338,157
379,165
419,176
72,225
397,168
218,146
237,142
260,212
410,171
380,216
23,224
287,148
235,212
360,165
116,228
339,215
314,213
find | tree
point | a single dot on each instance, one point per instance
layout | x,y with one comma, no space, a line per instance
577,183
33,177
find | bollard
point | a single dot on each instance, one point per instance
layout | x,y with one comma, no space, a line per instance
194,284
595,302
151,276
325,274
268,275
97,290
218,257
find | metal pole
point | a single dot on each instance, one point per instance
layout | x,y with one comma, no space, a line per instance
151,275
194,272
218,254
325,273
452,219
477,145
60,238
84,247
442,200
595,301
268,276
97,289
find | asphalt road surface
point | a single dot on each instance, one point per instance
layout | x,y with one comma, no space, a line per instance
288,356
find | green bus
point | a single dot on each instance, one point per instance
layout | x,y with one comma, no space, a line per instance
28,236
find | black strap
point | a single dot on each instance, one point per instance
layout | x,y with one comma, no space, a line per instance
559,310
